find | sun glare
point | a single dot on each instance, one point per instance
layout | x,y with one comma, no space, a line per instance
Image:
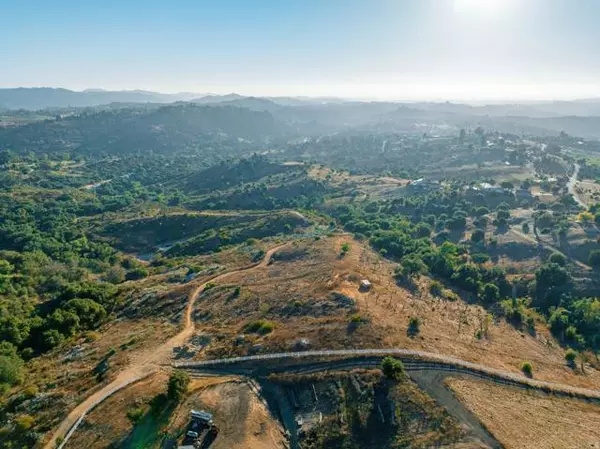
480,6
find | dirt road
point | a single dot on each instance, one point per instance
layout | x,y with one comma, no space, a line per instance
550,248
572,187
145,363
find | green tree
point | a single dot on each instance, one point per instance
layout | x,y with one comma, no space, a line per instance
478,236
392,368
551,282
490,293
468,277
423,230
11,365
178,385
411,266
558,259
90,313
5,267
594,258
571,356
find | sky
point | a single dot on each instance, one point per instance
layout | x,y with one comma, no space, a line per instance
368,49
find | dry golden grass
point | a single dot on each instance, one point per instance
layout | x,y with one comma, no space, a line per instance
522,419
243,420
292,290
108,422
589,191
71,379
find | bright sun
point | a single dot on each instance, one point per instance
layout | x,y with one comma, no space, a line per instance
480,6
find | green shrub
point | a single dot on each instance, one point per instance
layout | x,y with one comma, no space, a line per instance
527,369
480,258
24,423
30,391
355,318
558,259
530,322
345,249
571,356
135,414
178,385
490,293
436,288
392,368
594,258
414,325
137,273
262,327
10,369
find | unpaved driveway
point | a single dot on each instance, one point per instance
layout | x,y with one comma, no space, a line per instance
149,361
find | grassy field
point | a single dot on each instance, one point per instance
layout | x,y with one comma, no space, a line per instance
521,419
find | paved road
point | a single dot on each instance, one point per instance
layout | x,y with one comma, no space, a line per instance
144,364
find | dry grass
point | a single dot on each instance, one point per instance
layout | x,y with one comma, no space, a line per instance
70,379
522,419
449,327
589,191
108,422
243,420
291,293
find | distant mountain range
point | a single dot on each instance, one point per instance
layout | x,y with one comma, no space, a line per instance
46,97
300,116
36,98
165,129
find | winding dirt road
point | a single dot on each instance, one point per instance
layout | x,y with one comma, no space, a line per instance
145,363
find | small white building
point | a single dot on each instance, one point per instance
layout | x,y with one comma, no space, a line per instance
365,285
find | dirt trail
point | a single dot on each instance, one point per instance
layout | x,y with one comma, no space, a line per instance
551,248
572,187
149,361
433,383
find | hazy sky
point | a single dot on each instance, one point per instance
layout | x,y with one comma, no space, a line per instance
400,49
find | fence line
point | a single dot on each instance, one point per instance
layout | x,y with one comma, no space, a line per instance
443,363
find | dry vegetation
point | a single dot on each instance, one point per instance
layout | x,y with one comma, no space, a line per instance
108,422
65,376
522,419
362,408
242,418
313,294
